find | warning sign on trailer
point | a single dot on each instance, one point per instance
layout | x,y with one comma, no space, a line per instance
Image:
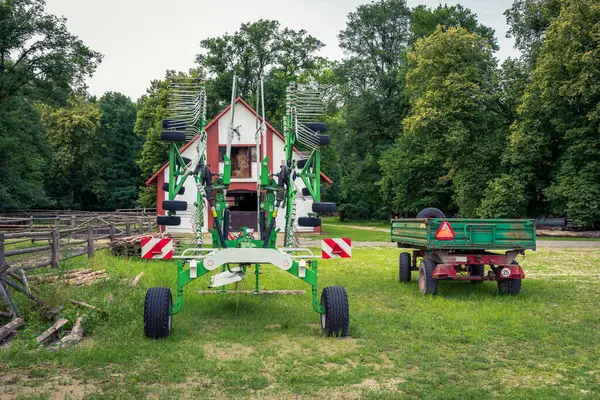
445,232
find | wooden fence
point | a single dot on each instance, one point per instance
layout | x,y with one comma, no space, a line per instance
64,236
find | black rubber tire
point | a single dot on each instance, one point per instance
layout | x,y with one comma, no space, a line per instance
431,212
318,127
167,220
174,205
301,163
323,208
309,221
477,270
305,191
510,286
336,319
176,124
186,161
166,188
157,320
427,284
172,136
404,265
324,140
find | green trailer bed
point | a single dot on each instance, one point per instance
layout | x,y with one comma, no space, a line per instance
467,234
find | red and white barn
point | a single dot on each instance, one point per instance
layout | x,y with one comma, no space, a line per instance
241,195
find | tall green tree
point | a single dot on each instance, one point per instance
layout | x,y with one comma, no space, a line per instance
455,133
77,150
38,54
554,151
121,146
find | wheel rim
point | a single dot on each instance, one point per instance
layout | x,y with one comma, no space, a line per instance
421,278
323,321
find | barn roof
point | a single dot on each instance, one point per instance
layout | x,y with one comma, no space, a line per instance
152,179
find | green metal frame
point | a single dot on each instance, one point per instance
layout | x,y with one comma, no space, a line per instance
310,174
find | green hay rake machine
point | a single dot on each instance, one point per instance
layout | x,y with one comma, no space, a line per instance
234,255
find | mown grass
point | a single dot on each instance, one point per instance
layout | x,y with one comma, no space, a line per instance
370,223
467,342
357,235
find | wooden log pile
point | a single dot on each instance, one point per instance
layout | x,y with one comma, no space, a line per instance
79,277
131,246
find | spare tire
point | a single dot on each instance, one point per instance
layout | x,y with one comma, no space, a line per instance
174,205
318,127
176,124
430,212
323,208
172,136
324,140
309,221
168,220
166,188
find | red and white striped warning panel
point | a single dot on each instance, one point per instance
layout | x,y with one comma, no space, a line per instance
336,248
157,248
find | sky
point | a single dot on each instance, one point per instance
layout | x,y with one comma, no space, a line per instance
141,39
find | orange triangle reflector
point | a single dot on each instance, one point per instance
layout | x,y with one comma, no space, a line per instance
445,232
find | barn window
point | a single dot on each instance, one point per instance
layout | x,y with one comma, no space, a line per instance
242,158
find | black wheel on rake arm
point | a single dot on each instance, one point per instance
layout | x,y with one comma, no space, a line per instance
337,317
157,320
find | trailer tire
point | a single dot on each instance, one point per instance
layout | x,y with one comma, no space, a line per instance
168,220
323,208
172,136
427,284
174,205
431,212
477,270
336,318
510,286
404,272
157,319
309,221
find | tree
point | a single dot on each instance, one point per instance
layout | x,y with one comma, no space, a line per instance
554,145
258,50
39,54
528,21
455,122
121,145
424,22
76,162
23,155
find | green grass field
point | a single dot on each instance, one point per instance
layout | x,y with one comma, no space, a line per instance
357,235
467,342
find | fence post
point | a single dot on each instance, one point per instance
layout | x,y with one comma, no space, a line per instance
55,248
57,223
90,242
127,229
112,232
2,258
31,228
141,225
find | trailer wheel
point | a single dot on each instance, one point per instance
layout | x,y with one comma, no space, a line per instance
427,284
431,212
477,270
510,286
157,319
335,320
404,267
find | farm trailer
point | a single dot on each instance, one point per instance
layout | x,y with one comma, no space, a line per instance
459,249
